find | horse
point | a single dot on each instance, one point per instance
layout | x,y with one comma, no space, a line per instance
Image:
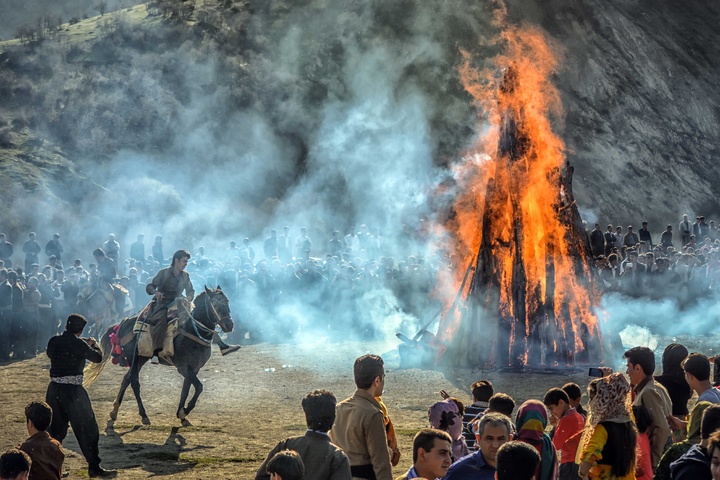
192,351
98,308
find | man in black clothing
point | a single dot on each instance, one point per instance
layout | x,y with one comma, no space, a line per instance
597,241
31,249
645,235
66,395
54,248
609,240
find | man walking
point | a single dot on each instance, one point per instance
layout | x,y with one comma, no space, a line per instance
360,424
66,395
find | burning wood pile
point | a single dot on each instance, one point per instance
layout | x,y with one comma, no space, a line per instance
527,296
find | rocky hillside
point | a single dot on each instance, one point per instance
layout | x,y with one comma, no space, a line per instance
333,113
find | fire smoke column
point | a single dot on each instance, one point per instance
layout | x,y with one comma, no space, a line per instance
531,296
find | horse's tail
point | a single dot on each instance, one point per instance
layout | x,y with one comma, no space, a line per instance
93,370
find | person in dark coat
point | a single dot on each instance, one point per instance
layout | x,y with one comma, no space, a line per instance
323,460
645,235
695,464
673,378
54,248
609,240
66,395
597,241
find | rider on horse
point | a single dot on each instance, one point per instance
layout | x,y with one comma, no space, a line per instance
107,272
167,287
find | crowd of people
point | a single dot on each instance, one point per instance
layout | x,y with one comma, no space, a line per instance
334,284
682,264
636,426
288,282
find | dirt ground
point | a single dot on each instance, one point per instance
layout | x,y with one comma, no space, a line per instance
246,407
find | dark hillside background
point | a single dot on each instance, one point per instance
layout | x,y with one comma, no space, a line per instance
16,13
207,119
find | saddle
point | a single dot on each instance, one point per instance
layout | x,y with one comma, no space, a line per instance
142,329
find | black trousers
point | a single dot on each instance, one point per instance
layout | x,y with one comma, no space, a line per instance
71,404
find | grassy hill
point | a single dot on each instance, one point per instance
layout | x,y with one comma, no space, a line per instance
329,113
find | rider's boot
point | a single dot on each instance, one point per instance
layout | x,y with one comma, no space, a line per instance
225,349
155,360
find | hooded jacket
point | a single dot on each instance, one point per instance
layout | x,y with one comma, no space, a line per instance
694,465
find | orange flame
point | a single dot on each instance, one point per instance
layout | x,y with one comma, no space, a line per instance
517,200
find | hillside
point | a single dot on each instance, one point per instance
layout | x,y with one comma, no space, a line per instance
312,112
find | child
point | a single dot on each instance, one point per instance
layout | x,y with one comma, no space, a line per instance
286,465
643,453
567,432
574,393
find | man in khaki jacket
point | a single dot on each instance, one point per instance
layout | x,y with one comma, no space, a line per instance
360,425
653,396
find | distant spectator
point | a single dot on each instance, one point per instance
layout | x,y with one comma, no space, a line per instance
666,238
685,230
645,235
631,238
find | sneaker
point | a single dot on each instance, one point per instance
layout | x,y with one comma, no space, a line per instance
101,472
155,360
229,349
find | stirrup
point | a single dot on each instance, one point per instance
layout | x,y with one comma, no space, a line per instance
155,360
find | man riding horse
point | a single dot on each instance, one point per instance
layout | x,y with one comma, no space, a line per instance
167,288
107,272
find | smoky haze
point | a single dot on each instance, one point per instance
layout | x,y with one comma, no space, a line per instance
357,149
356,118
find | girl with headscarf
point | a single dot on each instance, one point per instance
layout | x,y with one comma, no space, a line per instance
677,450
447,416
531,421
607,447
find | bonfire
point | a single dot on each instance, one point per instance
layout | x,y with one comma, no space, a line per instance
525,292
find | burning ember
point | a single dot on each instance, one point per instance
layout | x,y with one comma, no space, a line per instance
526,295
